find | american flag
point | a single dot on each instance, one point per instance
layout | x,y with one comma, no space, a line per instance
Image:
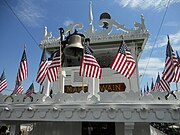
164,85
53,68
147,90
3,82
43,67
152,85
23,68
170,64
177,70
131,63
124,62
157,84
89,65
18,88
30,90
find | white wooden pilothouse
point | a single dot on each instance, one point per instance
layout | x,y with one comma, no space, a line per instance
110,105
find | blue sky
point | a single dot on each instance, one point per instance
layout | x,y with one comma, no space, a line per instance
36,14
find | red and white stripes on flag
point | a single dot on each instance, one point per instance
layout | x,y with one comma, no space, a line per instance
119,63
30,90
152,85
130,62
157,86
164,85
170,64
124,62
53,68
177,70
43,68
23,68
177,75
3,82
18,88
89,65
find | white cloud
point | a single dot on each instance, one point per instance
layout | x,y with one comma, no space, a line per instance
29,13
155,65
67,22
162,41
155,4
175,39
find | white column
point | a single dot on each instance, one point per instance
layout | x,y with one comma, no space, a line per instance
56,85
96,86
137,67
46,90
93,86
63,80
128,128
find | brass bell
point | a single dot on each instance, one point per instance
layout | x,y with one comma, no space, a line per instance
75,45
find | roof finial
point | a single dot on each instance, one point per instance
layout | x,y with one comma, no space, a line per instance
90,19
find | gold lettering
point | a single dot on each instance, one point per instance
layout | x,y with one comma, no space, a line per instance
68,89
109,88
118,87
112,87
115,87
103,88
75,89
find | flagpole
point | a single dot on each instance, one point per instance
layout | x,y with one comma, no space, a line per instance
128,68
40,89
83,70
60,59
172,65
